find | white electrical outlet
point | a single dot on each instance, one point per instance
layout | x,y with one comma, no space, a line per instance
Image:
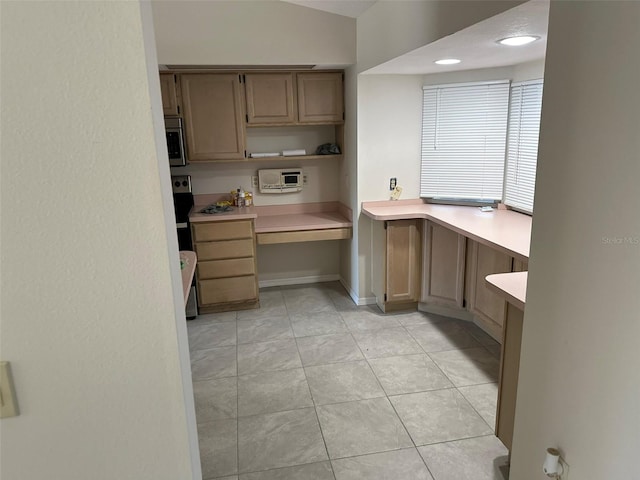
304,179
254,181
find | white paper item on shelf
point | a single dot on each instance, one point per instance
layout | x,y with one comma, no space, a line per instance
264,155
294,153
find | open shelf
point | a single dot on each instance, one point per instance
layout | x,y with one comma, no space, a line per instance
296,157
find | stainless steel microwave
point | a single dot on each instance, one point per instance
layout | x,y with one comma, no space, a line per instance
175,141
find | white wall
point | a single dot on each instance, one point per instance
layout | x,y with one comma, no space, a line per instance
579,388
279,264
515,73
323,180
90,277
349,260
251,33
389,129
389,29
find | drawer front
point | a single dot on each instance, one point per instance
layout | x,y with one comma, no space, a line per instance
233,267
208,232
227,290
227,249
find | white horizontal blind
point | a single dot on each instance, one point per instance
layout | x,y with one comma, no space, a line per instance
464,130
522,144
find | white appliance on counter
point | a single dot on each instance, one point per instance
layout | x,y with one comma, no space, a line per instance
285,180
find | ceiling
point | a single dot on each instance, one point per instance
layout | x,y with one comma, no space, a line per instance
476,45
347,8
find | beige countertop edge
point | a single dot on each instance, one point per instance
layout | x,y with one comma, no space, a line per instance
512,286
435,213
278,223
235,214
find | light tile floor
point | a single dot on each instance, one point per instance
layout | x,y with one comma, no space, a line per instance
311,387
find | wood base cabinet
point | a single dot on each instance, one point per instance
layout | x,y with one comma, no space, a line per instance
397,264
226,273
443,266
488,308
509,371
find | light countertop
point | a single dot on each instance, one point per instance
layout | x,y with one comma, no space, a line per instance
505,230
235,214
511,286
284,218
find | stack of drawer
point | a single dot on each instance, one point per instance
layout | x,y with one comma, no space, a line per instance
226,270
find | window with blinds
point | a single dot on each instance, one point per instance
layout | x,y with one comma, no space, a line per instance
522,144
464,130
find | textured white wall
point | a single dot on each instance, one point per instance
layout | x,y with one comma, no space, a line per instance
349,262
251,33
322,175
516,73
90,276
579,388
389,130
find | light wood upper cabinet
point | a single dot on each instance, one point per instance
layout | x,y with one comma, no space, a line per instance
214,117
320,97
488,307
270,98
169,94
443,266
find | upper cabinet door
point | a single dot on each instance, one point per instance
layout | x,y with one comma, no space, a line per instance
320,98
269,98
169,94
213,116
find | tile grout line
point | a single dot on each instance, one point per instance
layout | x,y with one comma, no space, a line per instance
237,402
315,407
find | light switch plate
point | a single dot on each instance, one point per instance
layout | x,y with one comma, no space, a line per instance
8,402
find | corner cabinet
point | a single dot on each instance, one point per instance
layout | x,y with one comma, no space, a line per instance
213,116
226,271
396,270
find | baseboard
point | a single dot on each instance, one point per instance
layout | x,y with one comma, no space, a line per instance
446,311
357,300
279,282
282,282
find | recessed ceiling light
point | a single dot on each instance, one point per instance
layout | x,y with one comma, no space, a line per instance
518,41
447,61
